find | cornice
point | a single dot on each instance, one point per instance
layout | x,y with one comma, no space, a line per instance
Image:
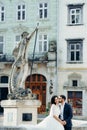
20,28
72,69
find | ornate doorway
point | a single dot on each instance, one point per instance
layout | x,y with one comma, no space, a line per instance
37,83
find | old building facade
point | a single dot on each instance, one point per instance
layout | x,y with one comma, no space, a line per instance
57,62
17,17
72,67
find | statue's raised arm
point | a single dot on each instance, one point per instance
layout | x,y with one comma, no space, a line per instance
20,51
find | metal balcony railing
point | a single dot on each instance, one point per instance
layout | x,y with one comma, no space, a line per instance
6,58
37,57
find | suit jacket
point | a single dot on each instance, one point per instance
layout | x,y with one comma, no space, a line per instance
68,114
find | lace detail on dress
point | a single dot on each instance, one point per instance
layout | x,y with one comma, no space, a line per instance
54,110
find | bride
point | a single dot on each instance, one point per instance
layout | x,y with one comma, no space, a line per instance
51,122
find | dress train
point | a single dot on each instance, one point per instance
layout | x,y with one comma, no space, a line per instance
49,123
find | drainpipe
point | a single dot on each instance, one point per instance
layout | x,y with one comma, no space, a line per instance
57,36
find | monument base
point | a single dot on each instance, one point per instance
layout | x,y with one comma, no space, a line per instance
17,112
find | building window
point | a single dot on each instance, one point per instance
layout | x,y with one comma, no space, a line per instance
74,80
74,50
74,83
21,12
18,39
43,10
4,79
43,43
75,14
2,13
1,44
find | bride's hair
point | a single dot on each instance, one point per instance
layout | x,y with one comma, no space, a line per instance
53,99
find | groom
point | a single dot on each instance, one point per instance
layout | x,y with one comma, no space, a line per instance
65,113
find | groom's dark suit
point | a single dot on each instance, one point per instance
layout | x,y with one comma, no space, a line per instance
67,115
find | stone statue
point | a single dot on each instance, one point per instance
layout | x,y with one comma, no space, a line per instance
19,70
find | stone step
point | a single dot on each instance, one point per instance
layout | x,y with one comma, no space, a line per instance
11,128
17,128
79,128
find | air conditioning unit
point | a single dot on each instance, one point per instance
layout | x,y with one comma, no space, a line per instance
52,46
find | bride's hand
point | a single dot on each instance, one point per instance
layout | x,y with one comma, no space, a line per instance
64,122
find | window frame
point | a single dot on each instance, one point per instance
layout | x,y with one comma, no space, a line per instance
2,42
75,8
4,79
75,81
73,53
19,37
21,10
2,12
43,9
42,41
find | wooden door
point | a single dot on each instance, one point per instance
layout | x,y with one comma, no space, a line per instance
37,83
75,99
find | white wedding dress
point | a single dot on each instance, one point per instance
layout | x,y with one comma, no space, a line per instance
48,123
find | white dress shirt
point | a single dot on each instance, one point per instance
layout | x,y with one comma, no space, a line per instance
61,111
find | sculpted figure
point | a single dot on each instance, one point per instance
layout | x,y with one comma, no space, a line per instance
19,69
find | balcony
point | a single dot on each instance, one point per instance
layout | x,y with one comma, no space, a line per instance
37,57
41,57
6,58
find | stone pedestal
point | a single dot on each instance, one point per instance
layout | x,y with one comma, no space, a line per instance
17,112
